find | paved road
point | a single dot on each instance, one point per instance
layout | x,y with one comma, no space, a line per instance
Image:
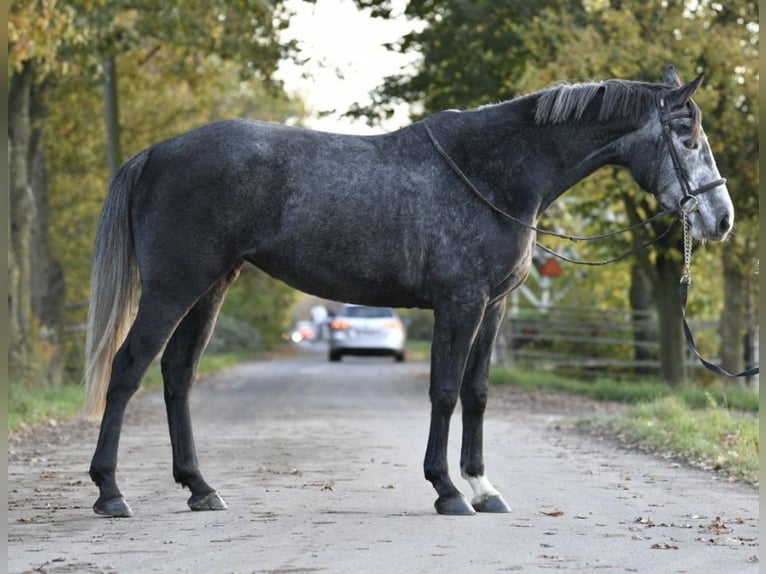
320,465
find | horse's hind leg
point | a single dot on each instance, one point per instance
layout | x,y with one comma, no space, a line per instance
179,364
473,397
154,322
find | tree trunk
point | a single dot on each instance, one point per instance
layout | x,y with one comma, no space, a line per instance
641,305
734,326
670,320
19,293
46,274
35,293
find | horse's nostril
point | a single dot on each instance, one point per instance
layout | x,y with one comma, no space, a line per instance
724,225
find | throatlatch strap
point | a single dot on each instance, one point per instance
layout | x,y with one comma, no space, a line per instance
693,345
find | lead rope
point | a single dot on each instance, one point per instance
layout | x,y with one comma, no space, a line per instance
686,279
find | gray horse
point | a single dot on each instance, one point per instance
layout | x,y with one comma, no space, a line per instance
377,220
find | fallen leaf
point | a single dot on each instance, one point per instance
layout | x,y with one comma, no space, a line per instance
717,527
553,512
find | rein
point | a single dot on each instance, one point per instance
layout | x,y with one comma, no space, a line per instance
574,238
686,206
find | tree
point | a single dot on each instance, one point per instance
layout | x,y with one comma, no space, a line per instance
213,92
471,52
36,31
61,45
478,52
732,130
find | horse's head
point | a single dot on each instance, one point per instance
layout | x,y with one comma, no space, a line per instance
685,175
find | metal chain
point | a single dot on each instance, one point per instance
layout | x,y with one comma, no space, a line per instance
686,276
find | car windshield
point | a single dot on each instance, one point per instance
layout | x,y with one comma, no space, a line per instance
367,312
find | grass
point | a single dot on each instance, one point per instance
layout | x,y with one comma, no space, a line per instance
627,391
418,350
714,437
29,407
713,428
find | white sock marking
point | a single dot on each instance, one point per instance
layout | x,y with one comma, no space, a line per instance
482,488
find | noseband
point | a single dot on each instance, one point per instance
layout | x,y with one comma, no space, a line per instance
688,202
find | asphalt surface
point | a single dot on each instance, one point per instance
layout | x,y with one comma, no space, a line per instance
321,466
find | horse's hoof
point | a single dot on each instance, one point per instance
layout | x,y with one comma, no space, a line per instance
114,507
210,501
494,503
455,505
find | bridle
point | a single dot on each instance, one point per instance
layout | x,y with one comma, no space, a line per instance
688,202
686,205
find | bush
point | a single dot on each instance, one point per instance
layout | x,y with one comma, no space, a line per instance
234,335
420,323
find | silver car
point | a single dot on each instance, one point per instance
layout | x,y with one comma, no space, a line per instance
360,330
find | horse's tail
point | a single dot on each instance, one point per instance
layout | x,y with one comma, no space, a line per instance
114,284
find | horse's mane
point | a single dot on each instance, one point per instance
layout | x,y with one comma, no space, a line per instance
565,102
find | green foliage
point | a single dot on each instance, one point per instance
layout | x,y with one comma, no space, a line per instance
637,39
65,37
420,323
479,52
469,52
234,335
263,302
177,69
37,31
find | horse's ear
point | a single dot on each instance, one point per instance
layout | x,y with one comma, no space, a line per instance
683,94
671,77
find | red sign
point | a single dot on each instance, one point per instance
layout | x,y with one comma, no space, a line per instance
550,268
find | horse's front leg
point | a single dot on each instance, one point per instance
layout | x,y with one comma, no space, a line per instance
473,397
454,330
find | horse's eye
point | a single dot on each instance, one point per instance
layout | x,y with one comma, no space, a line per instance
689,144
